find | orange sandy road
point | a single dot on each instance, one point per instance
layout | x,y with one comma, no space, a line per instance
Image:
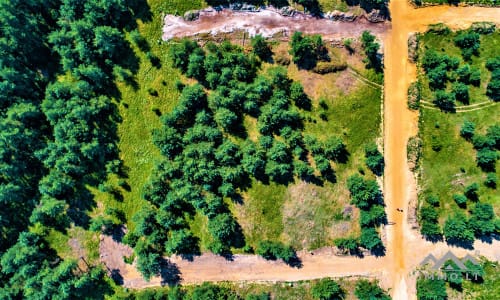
400,124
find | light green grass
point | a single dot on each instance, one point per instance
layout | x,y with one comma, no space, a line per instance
444,44
450,170
489,289
304,215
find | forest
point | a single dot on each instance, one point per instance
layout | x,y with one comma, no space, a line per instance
62,72
58,125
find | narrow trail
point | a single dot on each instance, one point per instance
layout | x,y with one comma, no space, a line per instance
405,247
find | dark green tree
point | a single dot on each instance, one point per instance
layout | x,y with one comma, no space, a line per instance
366,290
431,289
457,231
261,48
327,289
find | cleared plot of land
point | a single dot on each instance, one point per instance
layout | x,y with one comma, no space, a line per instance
449,161
267,23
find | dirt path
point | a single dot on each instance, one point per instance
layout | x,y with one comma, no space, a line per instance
268,23
405,247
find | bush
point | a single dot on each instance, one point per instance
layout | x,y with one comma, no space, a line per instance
261,48
374,159
461,92
414,96
371,50
306,51
486,159
431,289
366,290
329,67
327,289
370,239
429,223
461,200
469,42
491,180
433,200
467,129
457,231
471,191
275,250
444,100
482,219
493,88
349,244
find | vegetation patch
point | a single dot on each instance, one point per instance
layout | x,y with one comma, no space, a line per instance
459,150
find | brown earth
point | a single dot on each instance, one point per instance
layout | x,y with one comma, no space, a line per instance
267,23
405,247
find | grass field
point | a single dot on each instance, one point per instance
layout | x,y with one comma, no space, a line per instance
445,44
452,168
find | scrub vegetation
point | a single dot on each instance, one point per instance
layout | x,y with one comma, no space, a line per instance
459,162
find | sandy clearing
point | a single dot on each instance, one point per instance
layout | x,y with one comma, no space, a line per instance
268,23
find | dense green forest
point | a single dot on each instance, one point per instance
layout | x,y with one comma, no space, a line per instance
58,126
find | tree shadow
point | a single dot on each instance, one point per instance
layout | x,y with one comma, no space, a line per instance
169,273
116,276
118,233
378,251
295,262
435,238
460,243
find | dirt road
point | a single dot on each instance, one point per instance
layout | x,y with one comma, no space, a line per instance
405,247
268,23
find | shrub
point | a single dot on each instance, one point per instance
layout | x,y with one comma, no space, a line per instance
467,129
493,89
366,290
469,42
491,180
261,48
306,51
493,134
374,159
370,238
329,67
461,92
432,200
414,95
457,231
348,244
486,159
431,289
482,217
471,191
461,200
275,250
327,289
371,50
444,101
